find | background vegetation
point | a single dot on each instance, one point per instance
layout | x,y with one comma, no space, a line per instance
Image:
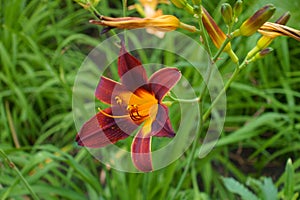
42,45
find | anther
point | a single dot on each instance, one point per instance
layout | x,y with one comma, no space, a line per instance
134,112
118,100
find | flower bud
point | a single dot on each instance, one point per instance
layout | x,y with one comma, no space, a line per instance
226,12
184,5
216,34
253,23
237,8
179,3
265,41
213,30
283,19
261,54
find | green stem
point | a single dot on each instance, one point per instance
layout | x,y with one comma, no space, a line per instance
202,32
220,50
19,174
145,186
94,11
202,120
190,158
184,100
227,85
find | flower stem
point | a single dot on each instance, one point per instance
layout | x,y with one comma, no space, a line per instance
202,31
202,120
220,50
184,100
19,174
190,158
145,186
227,85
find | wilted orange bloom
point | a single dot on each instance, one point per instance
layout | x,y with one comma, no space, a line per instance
265,40
273,30
162,23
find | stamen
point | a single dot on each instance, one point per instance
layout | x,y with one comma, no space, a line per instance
113,116
134,113
118,100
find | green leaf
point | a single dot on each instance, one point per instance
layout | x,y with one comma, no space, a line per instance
289,180
265,188
236,187
268,189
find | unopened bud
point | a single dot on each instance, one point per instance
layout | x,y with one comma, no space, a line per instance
237,8
253,23
261,54
183,4
265,52
265,41
226,12
283,19
179,3
168,103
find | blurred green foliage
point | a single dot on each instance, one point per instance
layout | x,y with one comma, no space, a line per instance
43,43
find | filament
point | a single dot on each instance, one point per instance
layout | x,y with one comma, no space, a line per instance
113,116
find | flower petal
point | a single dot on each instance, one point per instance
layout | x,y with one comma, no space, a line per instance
105,89
102,130
131,71
141,152
161,126
163,81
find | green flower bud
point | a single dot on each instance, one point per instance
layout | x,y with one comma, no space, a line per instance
226,12
179,3
237,8
253,23
261,54
264,52
184,5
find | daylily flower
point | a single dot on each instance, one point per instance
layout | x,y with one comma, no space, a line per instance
161,23
135,101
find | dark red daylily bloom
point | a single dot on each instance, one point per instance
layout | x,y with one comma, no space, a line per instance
135,101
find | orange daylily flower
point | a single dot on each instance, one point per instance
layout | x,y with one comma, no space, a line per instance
135,101
162,23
